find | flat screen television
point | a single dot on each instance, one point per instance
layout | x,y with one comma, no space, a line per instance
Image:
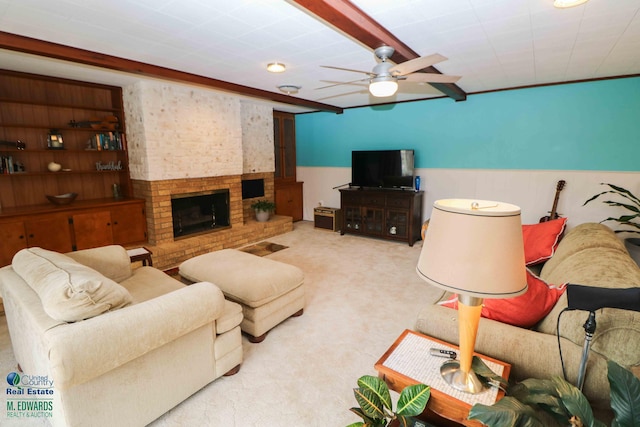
382,168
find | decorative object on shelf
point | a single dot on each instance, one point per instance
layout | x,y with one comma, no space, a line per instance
106,123
7,165
263,209
111,166
462,254
54,167
54,140
117,194
19,145
62,199
109,141
376,407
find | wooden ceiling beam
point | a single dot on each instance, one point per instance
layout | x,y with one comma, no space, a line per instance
67,53
351,20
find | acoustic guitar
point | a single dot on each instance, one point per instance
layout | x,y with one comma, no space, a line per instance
554,214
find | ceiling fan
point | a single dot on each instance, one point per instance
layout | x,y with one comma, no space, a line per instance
383,79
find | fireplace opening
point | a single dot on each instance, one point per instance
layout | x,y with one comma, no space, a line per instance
202,212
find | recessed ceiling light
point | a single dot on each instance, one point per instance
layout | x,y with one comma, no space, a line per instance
563,4
289,89
276,67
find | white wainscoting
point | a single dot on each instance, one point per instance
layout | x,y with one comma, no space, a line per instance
532,190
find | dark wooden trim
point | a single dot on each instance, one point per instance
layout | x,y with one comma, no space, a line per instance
67,53
351,20
556,84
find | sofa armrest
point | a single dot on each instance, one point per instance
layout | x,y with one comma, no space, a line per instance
84,350
111,261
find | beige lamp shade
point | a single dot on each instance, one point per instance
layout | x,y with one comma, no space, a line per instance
474,248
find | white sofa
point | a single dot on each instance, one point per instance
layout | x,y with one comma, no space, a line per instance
128,365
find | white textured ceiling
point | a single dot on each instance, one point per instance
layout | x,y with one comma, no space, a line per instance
492,44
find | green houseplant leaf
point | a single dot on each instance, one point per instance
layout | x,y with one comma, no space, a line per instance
413,399
376,408
630,203
507,412
369,402
378,387
625,396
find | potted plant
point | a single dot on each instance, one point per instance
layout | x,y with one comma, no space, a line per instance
376,408
263,209
555,402
630,221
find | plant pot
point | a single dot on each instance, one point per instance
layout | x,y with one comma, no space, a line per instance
262,216
633,246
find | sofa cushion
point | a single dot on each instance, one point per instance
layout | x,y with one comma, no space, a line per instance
541,240
525,310
68,290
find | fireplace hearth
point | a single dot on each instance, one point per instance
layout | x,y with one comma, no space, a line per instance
202,212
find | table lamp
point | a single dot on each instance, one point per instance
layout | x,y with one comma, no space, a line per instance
473,248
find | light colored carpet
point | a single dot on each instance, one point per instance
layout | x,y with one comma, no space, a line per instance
361,293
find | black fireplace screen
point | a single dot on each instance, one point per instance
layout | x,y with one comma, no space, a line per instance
199,212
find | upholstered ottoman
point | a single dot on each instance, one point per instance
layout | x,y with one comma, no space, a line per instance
269,291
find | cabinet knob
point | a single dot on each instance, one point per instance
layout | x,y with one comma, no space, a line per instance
21,237
108,224
30,236
115,222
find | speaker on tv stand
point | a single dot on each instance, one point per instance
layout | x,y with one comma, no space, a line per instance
327,218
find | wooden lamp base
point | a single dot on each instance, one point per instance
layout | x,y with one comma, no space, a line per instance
459,374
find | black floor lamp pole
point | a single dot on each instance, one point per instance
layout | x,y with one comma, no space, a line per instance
589,330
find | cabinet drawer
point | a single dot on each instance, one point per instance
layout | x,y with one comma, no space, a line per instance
351,199
373,200
398,202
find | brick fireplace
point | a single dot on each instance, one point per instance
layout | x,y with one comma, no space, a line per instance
185,139
169,252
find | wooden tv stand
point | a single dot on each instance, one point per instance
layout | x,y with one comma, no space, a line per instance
387,214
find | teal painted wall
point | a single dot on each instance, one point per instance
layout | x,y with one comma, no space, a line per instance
581,126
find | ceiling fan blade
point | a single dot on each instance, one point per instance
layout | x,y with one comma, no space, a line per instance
431,78
348,69
342,83
416,64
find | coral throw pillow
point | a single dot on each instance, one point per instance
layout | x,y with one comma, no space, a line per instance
541,240
525,310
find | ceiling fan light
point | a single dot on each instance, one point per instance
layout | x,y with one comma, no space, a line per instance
383,88
276,67
563,4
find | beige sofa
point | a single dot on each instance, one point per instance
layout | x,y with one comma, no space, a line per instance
126,366
590,254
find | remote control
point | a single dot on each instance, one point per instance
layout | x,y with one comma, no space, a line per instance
449,354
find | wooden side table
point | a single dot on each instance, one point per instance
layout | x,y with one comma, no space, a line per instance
141,254
408,362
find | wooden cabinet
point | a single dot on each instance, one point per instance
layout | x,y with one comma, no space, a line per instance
92,229
388,214
126,223
63,229
288,192
284,139
34,107
289,200
87,121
